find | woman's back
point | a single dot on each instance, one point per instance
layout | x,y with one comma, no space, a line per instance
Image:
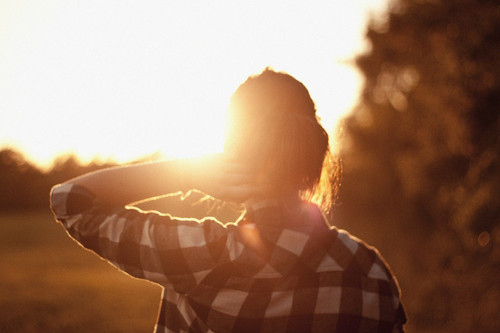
286,270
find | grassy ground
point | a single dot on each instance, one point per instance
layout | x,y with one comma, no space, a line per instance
50,284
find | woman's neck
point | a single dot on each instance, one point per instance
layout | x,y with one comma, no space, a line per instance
289,198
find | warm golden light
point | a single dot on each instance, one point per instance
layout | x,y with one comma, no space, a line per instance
122,80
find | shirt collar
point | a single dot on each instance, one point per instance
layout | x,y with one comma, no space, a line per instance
276,211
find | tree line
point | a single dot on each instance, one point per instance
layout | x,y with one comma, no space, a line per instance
421,158
25,186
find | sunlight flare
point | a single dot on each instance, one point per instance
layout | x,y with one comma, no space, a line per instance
122,80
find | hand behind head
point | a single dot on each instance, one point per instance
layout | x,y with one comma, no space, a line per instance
223,177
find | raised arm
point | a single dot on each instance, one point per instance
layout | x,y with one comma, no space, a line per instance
144,244
132,183
216,175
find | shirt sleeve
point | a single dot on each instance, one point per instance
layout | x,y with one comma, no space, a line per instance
400,318
148,245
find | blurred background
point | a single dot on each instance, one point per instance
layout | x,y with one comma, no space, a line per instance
409,90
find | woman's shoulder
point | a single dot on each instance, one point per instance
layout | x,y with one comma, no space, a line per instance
355,256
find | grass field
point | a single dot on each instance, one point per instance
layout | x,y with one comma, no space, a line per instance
48,283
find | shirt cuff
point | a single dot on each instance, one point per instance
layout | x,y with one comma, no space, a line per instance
69,199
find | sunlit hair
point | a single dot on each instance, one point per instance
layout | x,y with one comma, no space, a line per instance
273,126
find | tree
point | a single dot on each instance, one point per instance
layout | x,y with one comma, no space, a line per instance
422,156
19,180
24,186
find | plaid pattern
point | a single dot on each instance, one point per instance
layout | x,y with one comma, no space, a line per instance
276,270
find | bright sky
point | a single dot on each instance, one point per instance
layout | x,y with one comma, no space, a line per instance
121,79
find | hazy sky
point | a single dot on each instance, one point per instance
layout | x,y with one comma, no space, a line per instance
122,78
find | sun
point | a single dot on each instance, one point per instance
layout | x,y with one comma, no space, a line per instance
177,131
193,133
121,81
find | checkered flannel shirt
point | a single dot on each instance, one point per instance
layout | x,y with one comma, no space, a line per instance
275,270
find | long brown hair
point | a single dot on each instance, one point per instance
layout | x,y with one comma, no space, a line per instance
272,124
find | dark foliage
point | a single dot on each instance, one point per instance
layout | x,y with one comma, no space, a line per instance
24,186
421,159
